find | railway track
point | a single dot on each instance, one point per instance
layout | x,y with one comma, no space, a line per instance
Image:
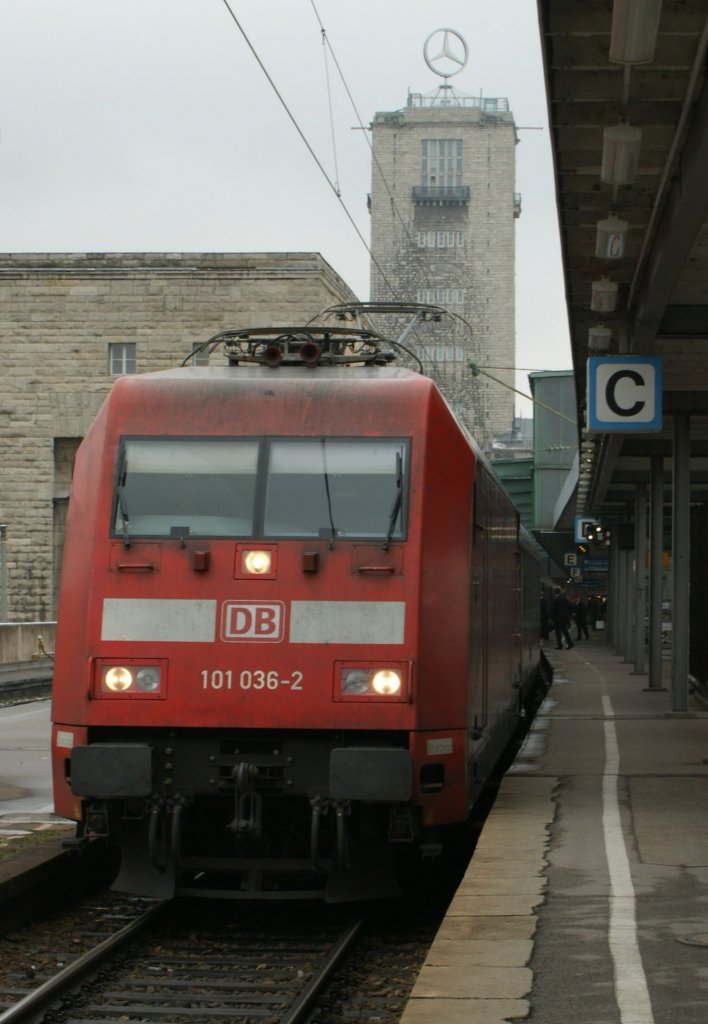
181,962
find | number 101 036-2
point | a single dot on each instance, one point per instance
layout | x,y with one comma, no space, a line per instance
249,679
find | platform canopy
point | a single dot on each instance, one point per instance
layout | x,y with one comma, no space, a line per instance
628,110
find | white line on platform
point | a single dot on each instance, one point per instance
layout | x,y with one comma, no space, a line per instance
631,991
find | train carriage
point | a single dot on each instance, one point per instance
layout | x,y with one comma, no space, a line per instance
293,632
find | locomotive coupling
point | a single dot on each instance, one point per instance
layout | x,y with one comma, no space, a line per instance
248,816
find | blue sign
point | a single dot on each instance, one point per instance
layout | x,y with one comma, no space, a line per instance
595,565
584,525
624,393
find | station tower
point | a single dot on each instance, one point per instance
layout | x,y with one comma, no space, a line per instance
443,208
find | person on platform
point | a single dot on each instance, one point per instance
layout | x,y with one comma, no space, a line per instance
580,614
562,615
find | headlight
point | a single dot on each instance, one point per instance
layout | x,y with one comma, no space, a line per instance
258,563
118,679
148,679
387,682
373,682
130,680
355,681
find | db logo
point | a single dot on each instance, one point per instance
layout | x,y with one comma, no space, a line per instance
252,620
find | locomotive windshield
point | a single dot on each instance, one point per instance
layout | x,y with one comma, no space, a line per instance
270,488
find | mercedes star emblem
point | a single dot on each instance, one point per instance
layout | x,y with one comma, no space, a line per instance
445,52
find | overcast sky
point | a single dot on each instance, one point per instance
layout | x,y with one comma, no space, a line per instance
148,125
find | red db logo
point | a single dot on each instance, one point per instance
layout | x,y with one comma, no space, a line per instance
252,620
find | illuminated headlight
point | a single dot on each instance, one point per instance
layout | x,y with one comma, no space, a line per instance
131,679
258,563
373,682
118,679
387,682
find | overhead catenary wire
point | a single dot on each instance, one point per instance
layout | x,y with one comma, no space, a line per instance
302,135
477,370
334,187
394,206
364,129
331,116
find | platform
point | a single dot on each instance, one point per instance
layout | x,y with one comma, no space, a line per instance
587,896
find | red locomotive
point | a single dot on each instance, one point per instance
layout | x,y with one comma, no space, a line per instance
297,621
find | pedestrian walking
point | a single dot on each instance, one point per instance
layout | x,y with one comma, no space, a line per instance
562,615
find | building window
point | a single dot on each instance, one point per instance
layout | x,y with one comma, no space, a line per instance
441,162
442,296
444,353
121,358
441,239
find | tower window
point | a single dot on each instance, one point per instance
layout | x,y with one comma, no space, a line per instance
441,296
440,239
441,162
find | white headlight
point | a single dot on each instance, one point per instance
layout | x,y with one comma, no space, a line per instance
118,679
387,682
258,563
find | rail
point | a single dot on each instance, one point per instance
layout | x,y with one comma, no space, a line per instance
248,974
27,1008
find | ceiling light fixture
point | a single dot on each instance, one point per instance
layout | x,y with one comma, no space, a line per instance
599,338
603,297
621,144
635,24
611,237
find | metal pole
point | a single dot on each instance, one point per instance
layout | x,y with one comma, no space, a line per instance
629,594
621,638
611,625
640,604
4,614
680,557
656,572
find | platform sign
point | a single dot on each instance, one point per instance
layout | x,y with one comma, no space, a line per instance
570,558
595,565
583,525
624,393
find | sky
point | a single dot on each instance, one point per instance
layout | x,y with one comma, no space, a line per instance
151,126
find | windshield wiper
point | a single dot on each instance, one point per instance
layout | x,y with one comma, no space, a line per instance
125,518
327,493
398,501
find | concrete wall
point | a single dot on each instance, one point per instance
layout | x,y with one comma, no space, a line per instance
58,315
18,642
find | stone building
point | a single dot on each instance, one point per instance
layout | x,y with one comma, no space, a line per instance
442,231
69,325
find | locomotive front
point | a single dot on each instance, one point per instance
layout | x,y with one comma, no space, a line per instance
237,698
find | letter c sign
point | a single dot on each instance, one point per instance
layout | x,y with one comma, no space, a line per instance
624,393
